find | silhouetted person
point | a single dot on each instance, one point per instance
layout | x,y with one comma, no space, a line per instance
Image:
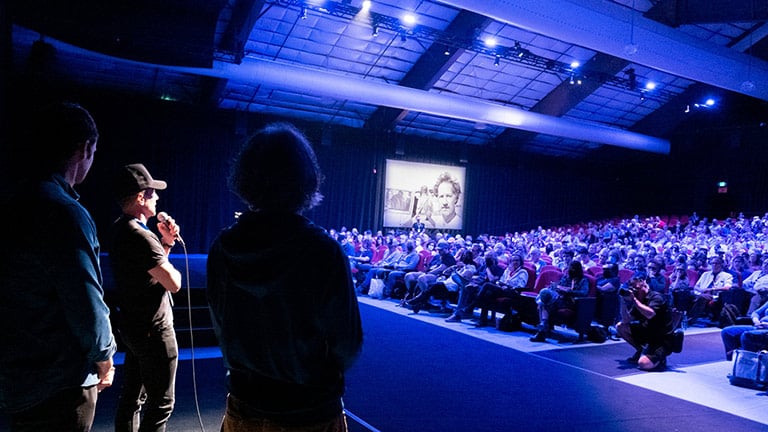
281,295
56,341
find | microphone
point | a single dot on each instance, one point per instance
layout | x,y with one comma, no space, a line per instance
162,217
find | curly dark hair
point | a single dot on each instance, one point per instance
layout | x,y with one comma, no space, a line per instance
277,170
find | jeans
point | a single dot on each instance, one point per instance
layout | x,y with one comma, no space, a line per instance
150,381
71,409
745,337
236,420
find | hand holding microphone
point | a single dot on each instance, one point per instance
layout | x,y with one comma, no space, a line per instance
168,228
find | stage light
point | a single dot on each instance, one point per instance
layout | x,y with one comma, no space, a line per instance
496,60
375,31
572,81
650,85
575,64
303,13
710,102
490,42
409,19
366,5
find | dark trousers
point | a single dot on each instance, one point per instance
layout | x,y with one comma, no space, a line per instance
149,382
70,409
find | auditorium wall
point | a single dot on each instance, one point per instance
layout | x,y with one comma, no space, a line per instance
506,189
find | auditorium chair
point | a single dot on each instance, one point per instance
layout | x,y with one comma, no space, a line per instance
580,318
525,305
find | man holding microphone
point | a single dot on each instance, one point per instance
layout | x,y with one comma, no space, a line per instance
144,278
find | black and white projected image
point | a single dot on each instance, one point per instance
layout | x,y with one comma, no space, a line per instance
433,193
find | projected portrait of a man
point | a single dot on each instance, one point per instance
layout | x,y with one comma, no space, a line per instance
448,193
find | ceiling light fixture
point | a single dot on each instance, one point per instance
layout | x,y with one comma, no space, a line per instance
409,19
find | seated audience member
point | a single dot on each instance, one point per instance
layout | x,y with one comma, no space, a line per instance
392,255
710,284
408,262
491,272
640,267
363,256
564,260
559,297
585,258
680,288
755,260
739,269
646,324
535,257
416,282
756,283
608,285
513,278
656,280
748,337
452,279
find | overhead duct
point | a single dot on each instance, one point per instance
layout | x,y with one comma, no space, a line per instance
609,28
315,82
304,80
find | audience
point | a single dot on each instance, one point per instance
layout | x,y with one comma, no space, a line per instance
673,255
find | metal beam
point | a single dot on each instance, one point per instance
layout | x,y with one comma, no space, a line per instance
609,28
679,12
430,67
566,96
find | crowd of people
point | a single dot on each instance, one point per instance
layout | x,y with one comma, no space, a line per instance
289,374
649,267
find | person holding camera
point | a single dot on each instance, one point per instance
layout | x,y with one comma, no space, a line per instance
646,324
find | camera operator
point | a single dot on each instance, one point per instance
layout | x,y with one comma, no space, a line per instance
645,324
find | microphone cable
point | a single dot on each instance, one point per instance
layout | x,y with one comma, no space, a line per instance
191,335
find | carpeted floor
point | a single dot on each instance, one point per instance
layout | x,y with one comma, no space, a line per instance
415,376
609,359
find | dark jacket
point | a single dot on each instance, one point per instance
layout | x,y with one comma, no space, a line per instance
286,315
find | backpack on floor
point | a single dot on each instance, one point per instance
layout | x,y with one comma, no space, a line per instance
597,333
729,315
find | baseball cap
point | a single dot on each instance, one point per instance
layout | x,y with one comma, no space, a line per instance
134,178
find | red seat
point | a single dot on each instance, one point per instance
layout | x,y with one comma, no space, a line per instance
424,257
549,267
693,276
595,271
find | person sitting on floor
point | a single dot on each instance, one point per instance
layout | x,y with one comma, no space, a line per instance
646,324
561,296
748,337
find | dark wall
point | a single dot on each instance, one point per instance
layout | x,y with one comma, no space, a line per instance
191,147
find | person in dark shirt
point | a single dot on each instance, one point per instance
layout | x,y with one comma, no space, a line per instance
646,324
287,335
144,278
56,342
